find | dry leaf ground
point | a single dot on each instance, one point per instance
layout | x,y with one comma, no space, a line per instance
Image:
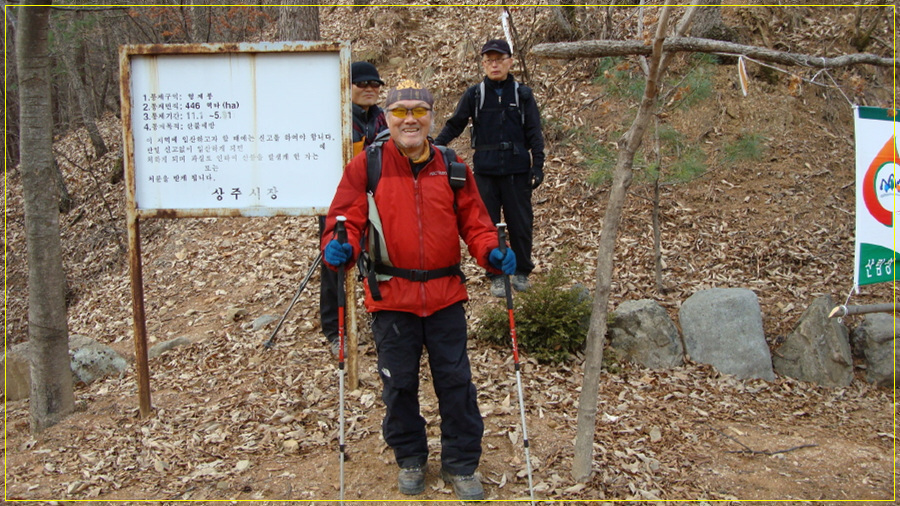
234,422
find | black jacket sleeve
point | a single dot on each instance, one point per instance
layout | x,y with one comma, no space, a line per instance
460,119
533,132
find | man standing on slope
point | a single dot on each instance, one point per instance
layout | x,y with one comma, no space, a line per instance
509,152
417,298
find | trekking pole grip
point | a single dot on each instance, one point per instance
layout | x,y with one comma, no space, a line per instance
341,228
501,236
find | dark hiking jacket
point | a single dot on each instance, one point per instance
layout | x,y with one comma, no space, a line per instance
503,142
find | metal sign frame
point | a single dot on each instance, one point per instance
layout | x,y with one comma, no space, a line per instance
134,212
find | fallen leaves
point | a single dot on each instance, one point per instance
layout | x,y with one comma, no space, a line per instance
232,420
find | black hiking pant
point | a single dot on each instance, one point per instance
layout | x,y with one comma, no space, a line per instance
512,194
400,338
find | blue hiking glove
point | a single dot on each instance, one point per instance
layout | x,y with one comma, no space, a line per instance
505,263
337,254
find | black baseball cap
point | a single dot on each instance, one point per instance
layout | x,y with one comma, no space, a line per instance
364,71
496,45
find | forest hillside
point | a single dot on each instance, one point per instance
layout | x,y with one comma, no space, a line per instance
756,192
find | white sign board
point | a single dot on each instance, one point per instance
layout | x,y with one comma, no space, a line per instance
254,132
877,171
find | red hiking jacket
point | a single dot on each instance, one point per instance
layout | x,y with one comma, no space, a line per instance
421,227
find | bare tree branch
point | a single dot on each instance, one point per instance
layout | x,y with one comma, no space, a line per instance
629,144
598,48
747,449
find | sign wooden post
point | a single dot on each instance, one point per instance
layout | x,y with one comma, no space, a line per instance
218,130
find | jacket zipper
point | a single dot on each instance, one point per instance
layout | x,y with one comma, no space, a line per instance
419,204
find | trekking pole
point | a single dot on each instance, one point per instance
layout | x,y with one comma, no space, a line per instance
271,342
341,230
501,234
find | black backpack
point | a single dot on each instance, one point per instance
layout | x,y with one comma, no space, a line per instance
521,96
456,171
479,98
374,262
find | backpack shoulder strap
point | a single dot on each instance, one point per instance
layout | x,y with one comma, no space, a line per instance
456,172
479,98
373,167
373,160
519,93
382,137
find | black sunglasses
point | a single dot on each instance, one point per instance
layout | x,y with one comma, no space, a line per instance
367,84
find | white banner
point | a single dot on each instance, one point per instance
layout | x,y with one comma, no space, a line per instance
235,130
876,195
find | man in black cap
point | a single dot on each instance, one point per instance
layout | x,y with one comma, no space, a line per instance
509,152
368,122
368,118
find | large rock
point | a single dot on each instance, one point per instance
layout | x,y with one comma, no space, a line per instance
171,344
90,361
643,332
17,365
262,321
818,349
877,337
723,327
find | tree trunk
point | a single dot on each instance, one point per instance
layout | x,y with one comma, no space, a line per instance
657,240
862,36
10,100
298,23
564,15
517,47
201,23
657,243
65,198
85,102
359,4
708,23
630,142
52,397
608,20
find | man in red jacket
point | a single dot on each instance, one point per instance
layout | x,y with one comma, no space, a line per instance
418,301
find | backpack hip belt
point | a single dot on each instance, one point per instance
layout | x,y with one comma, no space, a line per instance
503,146
421,276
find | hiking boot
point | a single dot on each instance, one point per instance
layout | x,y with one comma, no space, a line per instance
411,480
335,348
520,282
498,287
466,486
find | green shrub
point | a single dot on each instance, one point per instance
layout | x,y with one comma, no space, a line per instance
601,160
621,78
689,166
551,320
682,161
695,87
750,147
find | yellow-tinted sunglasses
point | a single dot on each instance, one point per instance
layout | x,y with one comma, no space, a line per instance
402,112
